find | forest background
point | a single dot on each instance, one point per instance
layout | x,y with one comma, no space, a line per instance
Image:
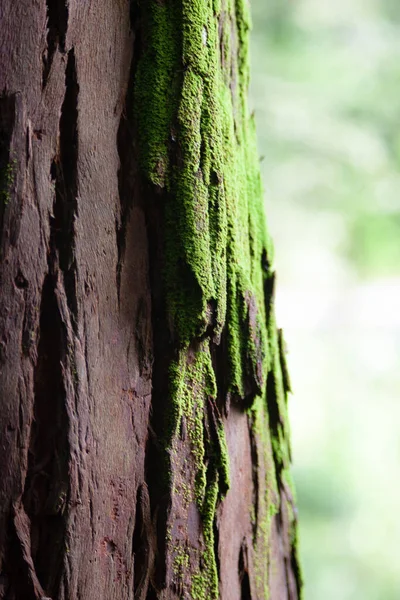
326,94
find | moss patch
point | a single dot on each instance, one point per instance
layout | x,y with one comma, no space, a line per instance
7,175
198,144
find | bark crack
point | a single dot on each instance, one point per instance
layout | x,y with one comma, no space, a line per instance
255,477
7,124
57,25
245,592
46,489
143,544
64,176
127,172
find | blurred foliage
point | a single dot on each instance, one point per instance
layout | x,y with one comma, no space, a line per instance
326,94
326,90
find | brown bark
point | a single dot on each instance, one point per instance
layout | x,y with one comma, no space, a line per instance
84,349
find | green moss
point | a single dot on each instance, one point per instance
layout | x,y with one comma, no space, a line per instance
217,7
198,142
181,563
243,24
213,181
192,386
156,88
268,497
7,175
205,582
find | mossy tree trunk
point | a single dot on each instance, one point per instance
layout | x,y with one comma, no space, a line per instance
144,441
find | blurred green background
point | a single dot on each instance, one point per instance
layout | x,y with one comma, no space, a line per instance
326,94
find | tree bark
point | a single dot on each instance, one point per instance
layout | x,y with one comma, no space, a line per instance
144,440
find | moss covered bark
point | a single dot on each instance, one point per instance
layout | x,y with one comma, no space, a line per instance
145,447
198,150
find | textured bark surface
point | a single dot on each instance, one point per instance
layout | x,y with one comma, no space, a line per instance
96,500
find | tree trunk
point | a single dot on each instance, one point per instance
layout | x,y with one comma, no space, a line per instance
144,441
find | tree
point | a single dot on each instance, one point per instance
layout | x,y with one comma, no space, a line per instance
144,439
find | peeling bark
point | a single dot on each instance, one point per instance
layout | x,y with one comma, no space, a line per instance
100,486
